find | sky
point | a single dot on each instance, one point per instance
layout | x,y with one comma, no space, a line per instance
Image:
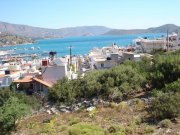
120,14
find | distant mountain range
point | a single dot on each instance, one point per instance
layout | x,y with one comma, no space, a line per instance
161,29
37,32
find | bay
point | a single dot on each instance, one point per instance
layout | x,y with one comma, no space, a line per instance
80,45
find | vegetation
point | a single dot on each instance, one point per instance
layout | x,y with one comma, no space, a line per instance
122,85
85,129
10,39
166,69
13,107
115,84
165,105
166,123
161,75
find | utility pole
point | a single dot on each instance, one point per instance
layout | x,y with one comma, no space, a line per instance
70,61
70,53
167,41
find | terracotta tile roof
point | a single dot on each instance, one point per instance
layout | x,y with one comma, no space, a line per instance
2,75
43,82
24,80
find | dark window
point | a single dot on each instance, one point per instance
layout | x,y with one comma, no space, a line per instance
31,86
102,65
178,44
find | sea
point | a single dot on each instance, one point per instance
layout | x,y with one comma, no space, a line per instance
80,45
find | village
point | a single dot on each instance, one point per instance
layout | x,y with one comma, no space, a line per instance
36,76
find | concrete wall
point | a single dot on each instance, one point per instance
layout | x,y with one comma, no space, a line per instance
40,88
105,64
53,73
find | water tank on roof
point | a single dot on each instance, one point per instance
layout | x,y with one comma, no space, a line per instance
44,62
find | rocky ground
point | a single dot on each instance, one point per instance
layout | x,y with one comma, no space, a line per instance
97,117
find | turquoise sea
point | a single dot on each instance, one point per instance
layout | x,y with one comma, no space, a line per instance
80,45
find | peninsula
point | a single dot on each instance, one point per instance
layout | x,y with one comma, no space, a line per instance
12,39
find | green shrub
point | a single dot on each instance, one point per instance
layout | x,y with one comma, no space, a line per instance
13,107
116,84
138,104
165,105
148,130
172,87
63,128
113,105
165,70
137,120
116,129
85,129
30,125
11,111
118,133
122,106
129,130
93,113
166,123
47,129
73,121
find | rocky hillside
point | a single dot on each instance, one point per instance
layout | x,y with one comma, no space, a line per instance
39,33
10,39
36,32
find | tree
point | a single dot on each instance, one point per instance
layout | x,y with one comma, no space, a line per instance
14,106
166,69
10,112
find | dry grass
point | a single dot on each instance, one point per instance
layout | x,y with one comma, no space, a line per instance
127,117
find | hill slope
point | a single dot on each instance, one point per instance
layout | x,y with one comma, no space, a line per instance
161,29
37,32
10,39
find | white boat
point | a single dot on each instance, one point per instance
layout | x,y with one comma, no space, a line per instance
3,53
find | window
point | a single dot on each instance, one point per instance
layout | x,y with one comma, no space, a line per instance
178,44
102,65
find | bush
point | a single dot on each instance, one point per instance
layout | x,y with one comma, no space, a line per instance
122,106
117,83
129,130
63,128
116,129
85,129
14,106
166,123
165,105
10,112
148,130
73,121
138,104
165,70
172,87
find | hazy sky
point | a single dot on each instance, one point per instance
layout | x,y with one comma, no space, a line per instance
122,14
